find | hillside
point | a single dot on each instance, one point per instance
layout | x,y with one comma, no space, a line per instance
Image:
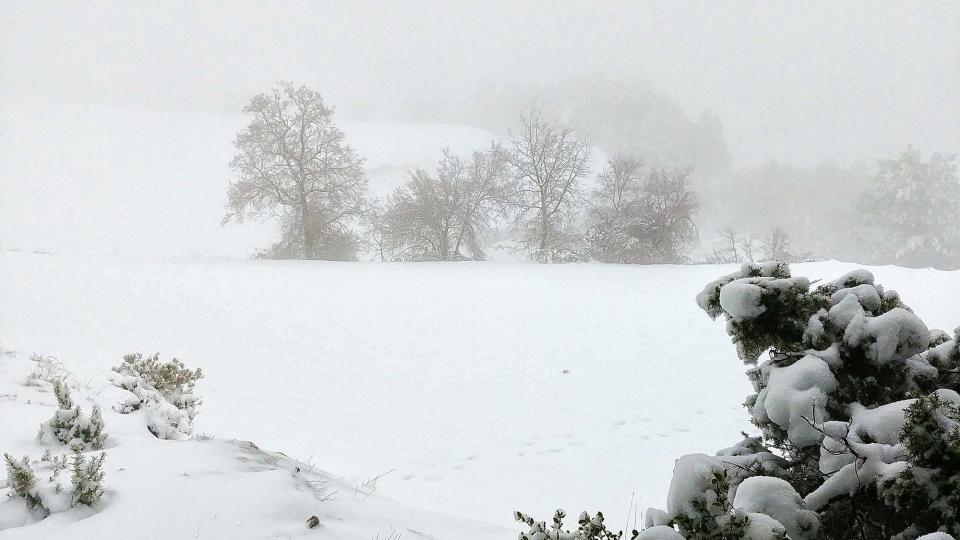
88,179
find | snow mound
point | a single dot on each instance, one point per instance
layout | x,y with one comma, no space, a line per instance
742,300
776,498
659,532
198,487
796,396
895,335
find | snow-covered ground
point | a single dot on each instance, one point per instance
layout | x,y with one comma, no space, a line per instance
477,388
200,488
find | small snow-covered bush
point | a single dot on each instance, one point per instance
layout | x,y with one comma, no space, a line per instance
588,528
62,393
46,495
171,378
70,425
23,482
87,478
164,389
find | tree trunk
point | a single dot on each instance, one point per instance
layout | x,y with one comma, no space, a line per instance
308,240
544,230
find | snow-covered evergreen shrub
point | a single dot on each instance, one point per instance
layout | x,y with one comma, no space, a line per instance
164,389
45,494
70,425
57,463
23,482
857,405
709,513
87,478
62,393
171,378
588,528
928,489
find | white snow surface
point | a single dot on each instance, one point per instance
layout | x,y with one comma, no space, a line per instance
794,393
220,488
762,527
741,299
660,532
447,377
776,498
894,335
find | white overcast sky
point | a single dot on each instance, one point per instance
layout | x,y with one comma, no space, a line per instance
796,81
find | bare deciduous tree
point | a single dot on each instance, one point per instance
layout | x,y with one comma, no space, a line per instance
776,245
734,240
670,208
747,244
641,220
550,162
443,217
376,232
615,206
619,186
293,163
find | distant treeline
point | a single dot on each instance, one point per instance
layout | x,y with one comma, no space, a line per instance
542,191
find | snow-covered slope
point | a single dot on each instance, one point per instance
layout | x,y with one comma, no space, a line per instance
200,488
479,388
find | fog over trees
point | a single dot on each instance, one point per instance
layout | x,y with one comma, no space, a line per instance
768,109
538,191
913,205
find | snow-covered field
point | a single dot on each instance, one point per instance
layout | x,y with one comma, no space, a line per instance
478,388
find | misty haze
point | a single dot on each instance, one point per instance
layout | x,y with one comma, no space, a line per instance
354,270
